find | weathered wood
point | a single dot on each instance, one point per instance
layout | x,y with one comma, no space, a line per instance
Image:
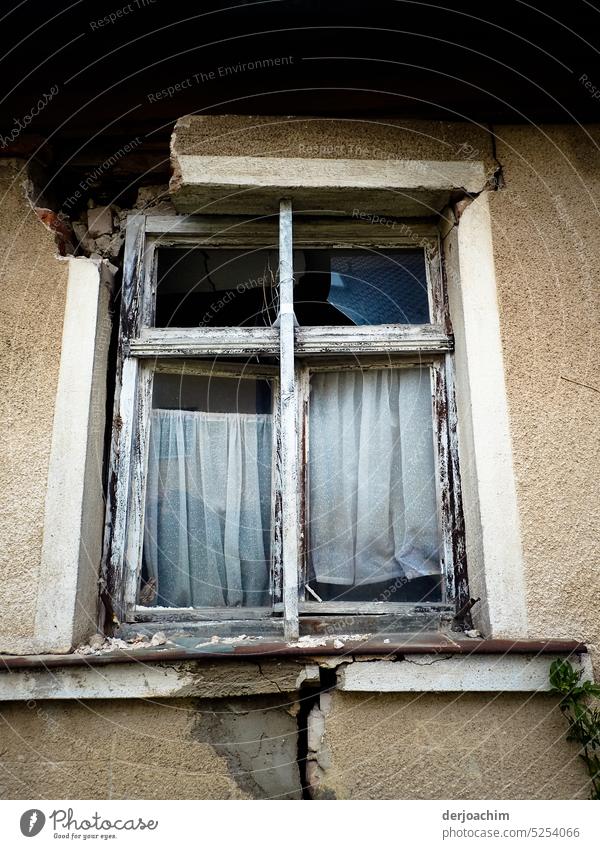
119,491
395,644
367,363
248,341
189,629
142,405
288,417
317,231
438,305
210,230
442,456
217,368
373,623
380,339
378,346
276,503
206,341
457,527
375,608
199,614
303,394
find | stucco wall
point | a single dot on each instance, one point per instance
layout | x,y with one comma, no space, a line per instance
33,284
547,256
323,138
434,746
159,749
376,746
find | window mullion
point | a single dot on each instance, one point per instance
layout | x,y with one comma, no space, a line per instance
288,423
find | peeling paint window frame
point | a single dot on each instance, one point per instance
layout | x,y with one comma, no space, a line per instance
142,348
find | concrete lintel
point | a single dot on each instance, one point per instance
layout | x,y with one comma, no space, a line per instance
442,674
155,680
254,185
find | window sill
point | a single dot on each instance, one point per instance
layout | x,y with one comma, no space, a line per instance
318,619
432,662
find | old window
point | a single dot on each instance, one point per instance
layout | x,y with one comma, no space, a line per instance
284,439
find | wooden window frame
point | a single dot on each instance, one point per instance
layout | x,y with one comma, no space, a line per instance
300,351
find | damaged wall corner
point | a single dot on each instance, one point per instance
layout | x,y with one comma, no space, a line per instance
33,292
74,510
54,336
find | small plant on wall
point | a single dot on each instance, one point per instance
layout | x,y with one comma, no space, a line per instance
584,720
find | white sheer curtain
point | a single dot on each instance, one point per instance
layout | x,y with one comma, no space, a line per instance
372,506
208,508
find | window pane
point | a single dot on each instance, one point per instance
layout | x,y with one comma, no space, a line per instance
337,287
373,521
208,502
214,287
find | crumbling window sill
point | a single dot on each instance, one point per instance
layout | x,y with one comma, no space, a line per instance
397,663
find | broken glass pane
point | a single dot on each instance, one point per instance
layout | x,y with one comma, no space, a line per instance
215,287
360,286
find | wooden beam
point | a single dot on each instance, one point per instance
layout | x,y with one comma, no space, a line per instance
209,341
120,491
380,339
288,420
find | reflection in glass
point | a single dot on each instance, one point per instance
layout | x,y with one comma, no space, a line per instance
208,499
373,521
216,287
337,287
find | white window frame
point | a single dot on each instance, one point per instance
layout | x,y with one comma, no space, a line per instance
140,343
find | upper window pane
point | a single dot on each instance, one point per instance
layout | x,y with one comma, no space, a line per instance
216,287
360,286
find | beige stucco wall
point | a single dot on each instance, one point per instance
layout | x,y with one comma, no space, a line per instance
323,138
446,746
158,749
33,284
547,256
413,746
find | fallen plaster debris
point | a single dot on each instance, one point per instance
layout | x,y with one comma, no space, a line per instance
339,641
101,645
318,757
214,640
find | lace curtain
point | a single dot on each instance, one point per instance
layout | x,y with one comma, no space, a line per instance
372,490
208,508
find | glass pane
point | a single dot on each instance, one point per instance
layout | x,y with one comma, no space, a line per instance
337,287
207,525
215,287
373,519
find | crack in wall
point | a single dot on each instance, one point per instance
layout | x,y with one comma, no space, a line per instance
435,660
